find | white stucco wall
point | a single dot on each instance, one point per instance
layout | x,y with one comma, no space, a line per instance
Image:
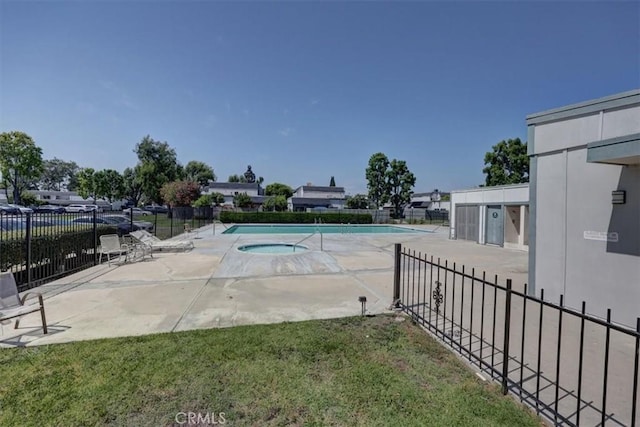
232,191
574,216
300,192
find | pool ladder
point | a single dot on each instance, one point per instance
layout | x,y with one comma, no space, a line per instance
221,223
315,221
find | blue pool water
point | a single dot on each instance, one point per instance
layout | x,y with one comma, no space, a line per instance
312,228
273,248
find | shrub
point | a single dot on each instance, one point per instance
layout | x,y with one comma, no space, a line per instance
242,200
295,217
49,249
208,200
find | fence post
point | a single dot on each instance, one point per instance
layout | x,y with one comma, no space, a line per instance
505,348
95,238
28,238
634,399
396,276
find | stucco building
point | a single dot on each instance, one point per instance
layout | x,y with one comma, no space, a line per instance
492,215
584,239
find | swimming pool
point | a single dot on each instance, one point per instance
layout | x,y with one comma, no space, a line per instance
313,228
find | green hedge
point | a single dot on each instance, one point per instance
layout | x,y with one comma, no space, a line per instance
294,217
52,248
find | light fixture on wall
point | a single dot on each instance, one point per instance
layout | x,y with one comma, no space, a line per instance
618,197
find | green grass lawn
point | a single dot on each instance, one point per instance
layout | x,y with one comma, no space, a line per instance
349,372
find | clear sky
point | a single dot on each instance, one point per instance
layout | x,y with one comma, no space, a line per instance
305,90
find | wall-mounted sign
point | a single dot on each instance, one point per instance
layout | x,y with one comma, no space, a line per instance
602,236
495,214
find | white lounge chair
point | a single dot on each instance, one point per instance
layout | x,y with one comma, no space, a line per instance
153,243
110,245
12,306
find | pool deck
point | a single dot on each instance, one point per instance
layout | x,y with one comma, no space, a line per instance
215,285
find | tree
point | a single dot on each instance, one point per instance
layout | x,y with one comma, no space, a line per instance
242,200
180,193
57,174
359,201
400,182
207,200
332,182
199,172
237,178
87,186
275,203
260,180
508,163
132,185
109,185
158,165
278,189
249,175
377,179
20,162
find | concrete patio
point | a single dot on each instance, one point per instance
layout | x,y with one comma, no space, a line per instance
215,285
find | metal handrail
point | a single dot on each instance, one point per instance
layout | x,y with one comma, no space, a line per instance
297,243
214,225
308,237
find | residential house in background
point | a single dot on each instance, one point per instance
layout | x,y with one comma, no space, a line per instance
231,189
317,197
61,198
432,201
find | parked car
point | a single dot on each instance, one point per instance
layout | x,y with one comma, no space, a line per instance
49,209
123,219
21,208
89,220
8,210
19,223
83,208
136,211
156,209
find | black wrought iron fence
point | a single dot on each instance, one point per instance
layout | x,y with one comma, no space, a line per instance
40,247
573,368
43,246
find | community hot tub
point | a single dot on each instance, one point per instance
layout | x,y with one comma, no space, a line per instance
273,248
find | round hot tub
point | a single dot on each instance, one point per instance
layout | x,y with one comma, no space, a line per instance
273,248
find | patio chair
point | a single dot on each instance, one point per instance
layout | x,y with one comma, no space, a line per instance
190,230
153,243
12,306
110,244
